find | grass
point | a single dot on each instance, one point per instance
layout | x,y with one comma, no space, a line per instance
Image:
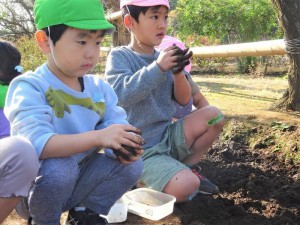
240,94
245,102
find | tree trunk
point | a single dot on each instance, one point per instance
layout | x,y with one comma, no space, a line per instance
121,36
288,12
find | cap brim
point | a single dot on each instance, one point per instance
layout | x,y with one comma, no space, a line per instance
145,4
93,25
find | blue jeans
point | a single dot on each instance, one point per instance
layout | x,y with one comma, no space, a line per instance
61,184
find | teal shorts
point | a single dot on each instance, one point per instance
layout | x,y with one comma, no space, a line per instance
163,161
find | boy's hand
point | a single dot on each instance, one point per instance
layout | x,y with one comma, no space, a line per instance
174,59
183,59
121,138
132,154
168,58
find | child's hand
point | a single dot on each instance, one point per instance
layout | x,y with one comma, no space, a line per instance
131,155
121,138
169,57
183,59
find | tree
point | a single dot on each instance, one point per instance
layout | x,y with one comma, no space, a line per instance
288,12
16,18
121,36
228,20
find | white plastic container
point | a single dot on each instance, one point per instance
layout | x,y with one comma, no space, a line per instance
150,204
118,212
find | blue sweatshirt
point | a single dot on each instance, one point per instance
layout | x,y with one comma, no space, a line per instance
39,105
143,91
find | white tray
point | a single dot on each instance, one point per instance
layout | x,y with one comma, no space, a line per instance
150,204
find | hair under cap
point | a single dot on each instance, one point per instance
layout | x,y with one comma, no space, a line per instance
81,14
144,3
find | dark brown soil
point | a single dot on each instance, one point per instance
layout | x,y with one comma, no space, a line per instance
258,186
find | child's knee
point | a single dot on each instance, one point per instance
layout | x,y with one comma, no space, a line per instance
21,156
215,117
186,188
133,171
59,173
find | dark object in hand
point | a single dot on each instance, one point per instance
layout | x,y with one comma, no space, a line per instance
131,151
183,59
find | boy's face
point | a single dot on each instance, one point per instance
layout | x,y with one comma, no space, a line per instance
152,27
75,53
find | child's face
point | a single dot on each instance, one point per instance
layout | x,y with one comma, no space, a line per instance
152,27
75,53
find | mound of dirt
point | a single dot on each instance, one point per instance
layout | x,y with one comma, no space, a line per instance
258,186
259,183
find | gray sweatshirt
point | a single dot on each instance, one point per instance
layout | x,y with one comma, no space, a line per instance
143,91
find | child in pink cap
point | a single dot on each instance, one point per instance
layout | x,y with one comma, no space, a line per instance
145,81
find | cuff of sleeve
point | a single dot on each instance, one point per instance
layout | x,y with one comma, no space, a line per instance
41,142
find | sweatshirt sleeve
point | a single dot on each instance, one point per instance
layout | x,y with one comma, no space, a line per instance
132,85
114,114
29,116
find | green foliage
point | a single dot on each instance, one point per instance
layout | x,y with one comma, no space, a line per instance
32,56
173,4
229,20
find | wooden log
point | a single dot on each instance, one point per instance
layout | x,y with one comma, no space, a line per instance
114,16
261,48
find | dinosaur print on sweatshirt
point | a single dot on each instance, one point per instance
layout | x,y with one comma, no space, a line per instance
60,103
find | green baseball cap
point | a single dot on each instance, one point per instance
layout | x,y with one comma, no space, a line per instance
81,14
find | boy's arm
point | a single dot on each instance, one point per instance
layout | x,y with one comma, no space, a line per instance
114,114
30,116
131,86
112,132
182,89
63,145
172,58
199,100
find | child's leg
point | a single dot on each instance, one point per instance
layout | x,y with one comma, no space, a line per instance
103,181
165,165
52,188
166,174
18,167
183,185
163,169
199,133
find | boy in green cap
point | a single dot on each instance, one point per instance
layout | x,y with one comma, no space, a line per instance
68,116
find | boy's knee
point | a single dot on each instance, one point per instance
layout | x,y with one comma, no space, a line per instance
216,117
212,110
211,116
17,145
23,155
185,189
134,170
61,172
